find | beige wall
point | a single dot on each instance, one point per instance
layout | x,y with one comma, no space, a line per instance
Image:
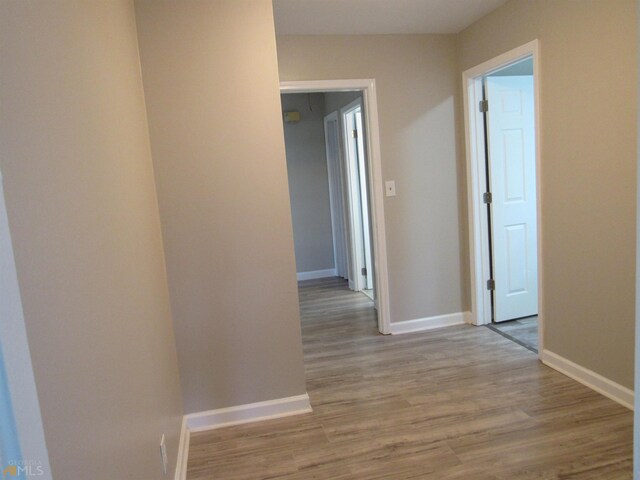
416,85
81,202
308,182
588,114
636,398
211,86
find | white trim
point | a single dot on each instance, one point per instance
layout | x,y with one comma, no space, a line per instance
591,379
312,275
183,452
368,87
428,323
320,86
357,281
478,243
252,412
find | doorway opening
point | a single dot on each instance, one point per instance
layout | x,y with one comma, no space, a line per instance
335,185
328,187
501,114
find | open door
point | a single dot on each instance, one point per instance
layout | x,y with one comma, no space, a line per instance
512,181
364,201
355,159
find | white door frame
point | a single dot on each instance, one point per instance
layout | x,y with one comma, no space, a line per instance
363,174
376,183
476,175
354,195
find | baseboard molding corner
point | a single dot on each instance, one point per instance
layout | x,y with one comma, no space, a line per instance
427,323
315,274
252,412
183,452
468,317
589,378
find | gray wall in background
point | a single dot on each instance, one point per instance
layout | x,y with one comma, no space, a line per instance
308,182
334,101
213,102
83,213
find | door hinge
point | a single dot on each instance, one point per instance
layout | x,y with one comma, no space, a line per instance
354,133
491,284
364,271
487,197
484,106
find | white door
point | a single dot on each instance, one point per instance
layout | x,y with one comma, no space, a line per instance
361,264
357,279
364,201
512,177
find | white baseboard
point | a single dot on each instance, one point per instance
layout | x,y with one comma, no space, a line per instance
253,412
428,323
183,452
593,380
331,272
468,318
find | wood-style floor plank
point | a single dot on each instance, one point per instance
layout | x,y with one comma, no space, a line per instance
456,403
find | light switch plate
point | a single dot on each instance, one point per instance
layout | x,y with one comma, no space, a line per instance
390,188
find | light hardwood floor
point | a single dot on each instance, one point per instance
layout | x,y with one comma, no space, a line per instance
456,403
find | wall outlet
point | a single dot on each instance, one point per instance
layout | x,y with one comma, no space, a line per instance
163,455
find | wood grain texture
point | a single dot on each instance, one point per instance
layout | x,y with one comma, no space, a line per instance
456,403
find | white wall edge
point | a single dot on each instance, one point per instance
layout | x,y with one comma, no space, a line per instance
183,452
589,378
252,412
312,275
428,323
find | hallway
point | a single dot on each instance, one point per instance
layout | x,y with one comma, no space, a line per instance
455,403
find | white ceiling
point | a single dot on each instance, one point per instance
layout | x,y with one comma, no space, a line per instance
359,17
